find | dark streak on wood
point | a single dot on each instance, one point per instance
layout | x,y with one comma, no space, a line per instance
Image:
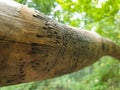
45,28
9,81
21,76
20,65
39,48
34,44
57,42
36,64
37,15
50,27
58,37
55,32
39,36
103,46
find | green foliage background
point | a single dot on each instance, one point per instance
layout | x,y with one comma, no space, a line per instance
101,16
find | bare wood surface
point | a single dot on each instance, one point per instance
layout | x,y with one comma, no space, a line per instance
34,47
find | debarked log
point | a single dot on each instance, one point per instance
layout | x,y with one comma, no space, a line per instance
34,47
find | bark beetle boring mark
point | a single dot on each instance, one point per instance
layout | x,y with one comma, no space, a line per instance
40,36
37,65
40,64
18,76
55,49
35,48
56,59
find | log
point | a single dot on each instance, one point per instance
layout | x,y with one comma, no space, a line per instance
34,47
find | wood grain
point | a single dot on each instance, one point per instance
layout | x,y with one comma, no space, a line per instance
34,47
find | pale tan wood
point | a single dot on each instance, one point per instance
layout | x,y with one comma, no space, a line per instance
34,47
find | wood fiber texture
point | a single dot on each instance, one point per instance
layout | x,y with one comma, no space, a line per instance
34,47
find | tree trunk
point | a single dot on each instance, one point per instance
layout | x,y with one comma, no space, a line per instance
34,47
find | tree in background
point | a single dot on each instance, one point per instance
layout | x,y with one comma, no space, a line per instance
101,16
